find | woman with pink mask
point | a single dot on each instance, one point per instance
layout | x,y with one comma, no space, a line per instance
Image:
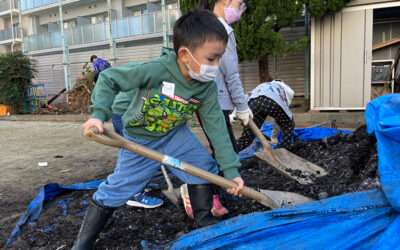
230,89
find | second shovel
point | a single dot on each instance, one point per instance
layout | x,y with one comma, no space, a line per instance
285,162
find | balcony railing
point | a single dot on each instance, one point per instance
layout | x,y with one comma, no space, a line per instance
30,4
7,34
5,5
121,28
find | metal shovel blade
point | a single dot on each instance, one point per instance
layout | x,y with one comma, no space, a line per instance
173,194
285,199
285,162
292,166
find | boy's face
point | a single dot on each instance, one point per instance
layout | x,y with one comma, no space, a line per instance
209,53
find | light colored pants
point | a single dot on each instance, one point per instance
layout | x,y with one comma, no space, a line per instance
133,172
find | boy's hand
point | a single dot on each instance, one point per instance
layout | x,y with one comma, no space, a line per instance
93,122
235,191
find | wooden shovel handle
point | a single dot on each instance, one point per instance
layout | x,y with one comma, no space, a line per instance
113,139
256,131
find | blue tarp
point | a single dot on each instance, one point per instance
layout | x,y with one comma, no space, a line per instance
362,220
47,193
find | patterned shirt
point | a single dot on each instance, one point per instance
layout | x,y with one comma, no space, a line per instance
98,66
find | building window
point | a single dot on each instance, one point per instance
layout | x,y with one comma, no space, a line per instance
70,24
98,19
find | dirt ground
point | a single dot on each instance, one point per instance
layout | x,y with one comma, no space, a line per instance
73,159
70,158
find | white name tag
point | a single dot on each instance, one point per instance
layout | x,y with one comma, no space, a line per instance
168,89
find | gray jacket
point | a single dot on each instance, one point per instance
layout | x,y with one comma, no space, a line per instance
230,89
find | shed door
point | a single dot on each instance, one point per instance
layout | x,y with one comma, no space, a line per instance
341,60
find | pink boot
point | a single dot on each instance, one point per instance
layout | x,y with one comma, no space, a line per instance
186,201
218,210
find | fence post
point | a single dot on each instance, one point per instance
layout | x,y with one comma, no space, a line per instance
164,24
67,74
111,37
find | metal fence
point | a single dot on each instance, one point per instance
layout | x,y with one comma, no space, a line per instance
62,35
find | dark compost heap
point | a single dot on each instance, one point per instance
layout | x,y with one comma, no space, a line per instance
351,161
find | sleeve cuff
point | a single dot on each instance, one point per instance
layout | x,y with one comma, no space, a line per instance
242,107
99,115
231,173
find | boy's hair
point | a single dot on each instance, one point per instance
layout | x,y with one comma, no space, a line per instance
206,4
92,58
196,27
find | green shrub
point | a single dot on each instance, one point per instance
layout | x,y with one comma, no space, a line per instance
16,73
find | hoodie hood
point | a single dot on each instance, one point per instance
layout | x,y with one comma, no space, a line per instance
168,60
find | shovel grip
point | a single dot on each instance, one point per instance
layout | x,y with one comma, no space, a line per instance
112,139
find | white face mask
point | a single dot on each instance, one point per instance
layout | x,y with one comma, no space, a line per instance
207,72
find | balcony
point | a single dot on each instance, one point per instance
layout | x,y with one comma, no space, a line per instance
43,6
126,29
30,4
6,6
6,36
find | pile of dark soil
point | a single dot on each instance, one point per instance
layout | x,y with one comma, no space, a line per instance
351,161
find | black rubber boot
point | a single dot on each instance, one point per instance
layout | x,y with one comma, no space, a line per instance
95,219
201,200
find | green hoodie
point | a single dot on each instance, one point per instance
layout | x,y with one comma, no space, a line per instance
122,101
162,101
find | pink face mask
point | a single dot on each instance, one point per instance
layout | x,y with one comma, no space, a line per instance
232,14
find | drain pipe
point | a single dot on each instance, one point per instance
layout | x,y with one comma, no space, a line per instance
111,37
67,74
12,27
307,58
21,31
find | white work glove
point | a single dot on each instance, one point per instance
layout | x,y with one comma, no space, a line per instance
245,116
232,118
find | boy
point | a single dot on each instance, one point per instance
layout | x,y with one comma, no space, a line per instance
98,66
170,90
119,107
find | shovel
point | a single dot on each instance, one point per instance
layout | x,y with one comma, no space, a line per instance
173,194
112,139
285,162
